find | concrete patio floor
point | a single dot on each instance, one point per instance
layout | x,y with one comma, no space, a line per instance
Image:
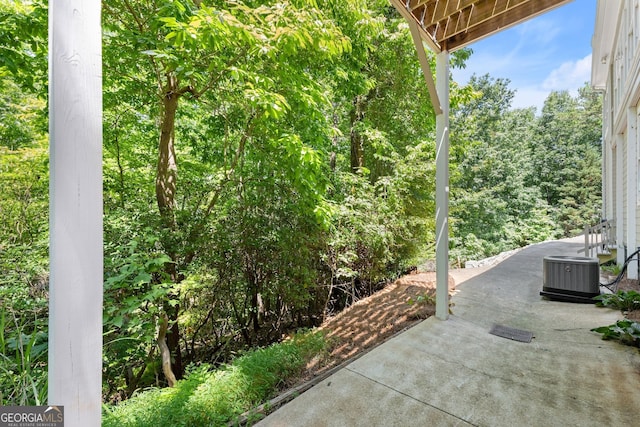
454,373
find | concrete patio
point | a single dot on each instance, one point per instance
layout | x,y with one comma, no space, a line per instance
455,373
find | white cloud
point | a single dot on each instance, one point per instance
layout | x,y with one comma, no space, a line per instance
541,31
569,75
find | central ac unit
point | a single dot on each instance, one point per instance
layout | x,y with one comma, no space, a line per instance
571,278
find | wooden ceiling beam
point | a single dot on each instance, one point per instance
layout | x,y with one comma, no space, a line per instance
462,21
401,7
477,14
480,28
438,10
453,24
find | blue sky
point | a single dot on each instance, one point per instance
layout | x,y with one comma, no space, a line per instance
549,52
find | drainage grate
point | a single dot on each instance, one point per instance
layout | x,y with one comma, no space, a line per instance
511,333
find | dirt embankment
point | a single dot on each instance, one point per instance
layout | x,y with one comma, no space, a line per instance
373,320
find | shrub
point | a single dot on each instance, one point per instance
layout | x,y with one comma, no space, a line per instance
626,331
206,398
622,300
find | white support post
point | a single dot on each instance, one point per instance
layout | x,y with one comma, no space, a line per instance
442,187
620,237
632,187
76,254
607,178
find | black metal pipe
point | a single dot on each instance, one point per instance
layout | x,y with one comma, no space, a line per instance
613,286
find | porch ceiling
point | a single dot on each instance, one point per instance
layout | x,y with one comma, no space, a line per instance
453,24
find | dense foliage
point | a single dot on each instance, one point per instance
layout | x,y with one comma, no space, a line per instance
265,165
215,398
522,177
23,205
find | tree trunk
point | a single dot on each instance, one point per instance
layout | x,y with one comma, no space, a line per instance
166,180
164,350
173,341
167,170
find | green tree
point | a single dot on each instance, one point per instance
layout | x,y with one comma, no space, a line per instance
566,157
23,202
23,43
23,72
242,75
383,182
494,206
21,116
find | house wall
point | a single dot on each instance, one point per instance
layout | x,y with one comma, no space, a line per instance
620,135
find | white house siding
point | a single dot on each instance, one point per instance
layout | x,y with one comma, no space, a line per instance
616,71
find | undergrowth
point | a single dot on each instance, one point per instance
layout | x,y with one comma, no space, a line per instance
613,269
23,359
23,322
217,397
625,331
621,300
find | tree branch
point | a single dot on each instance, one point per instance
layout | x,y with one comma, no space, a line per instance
214,79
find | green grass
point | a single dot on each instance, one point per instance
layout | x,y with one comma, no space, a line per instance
23,359
611,268
215,398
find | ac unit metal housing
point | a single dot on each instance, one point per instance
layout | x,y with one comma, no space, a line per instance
570,278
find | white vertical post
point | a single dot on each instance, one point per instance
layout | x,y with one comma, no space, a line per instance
610,140
632,187
442,187
587,241
75,132
619,200
607,178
